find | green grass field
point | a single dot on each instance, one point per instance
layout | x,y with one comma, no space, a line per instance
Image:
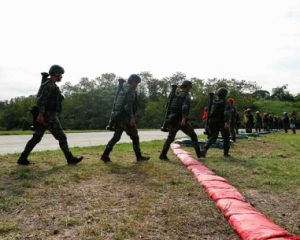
148,200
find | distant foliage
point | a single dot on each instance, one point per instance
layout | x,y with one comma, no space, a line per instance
88,104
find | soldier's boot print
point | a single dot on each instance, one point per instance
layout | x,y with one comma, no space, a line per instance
73,160
139,157
23,159
226,153
198,152
105,156
163,155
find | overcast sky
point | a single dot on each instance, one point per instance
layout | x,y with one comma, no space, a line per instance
257,40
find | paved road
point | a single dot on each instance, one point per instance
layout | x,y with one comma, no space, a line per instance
16,143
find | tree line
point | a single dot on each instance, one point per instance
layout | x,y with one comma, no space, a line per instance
88,104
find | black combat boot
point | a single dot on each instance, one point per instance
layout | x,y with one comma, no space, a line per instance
226,153
23,159
203,152
163,155
198,152
105,156
139,157
73,160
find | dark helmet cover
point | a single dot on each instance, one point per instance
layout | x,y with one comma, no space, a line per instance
222,92
56,69
187,83
134,78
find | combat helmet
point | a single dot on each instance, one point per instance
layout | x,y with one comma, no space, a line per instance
56,69
222,91
134,78
186,83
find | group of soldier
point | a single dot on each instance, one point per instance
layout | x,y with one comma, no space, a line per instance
222,117
267,122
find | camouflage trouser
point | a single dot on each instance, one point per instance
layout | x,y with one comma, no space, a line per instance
52,124
266,126
174,127
232,129
124,125
258,126
213,133
285,127
248,127
271,126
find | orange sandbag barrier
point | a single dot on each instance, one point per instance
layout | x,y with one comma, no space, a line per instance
245,219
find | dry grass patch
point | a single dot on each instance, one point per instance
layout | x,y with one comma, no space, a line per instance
148,200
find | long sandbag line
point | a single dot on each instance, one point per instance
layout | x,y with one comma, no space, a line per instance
249,223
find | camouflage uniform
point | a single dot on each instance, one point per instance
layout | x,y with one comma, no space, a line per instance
232,125
270,122
219,114
258,122
293,123
266,122
48,101
285,121
179,110
125,107
249,123
237,123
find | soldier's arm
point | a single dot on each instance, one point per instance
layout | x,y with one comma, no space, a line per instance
42,99
226,115
129,103
186,106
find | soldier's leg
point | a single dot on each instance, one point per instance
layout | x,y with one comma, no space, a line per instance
132,132
213,134
226,143
173,129
36,138
116,138
236,130
53,125
232,131
189,130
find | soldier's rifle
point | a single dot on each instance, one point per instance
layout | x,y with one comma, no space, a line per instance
209,104
111,123
164,128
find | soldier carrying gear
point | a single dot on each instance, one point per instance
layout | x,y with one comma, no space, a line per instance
258,121
265,121
219,122
124,111
249,121
270,122
48,101
178,120
285,122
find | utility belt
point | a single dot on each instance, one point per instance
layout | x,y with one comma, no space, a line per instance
119,115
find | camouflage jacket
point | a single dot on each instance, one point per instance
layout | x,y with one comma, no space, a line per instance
127,101
49,97
180,105
220,111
